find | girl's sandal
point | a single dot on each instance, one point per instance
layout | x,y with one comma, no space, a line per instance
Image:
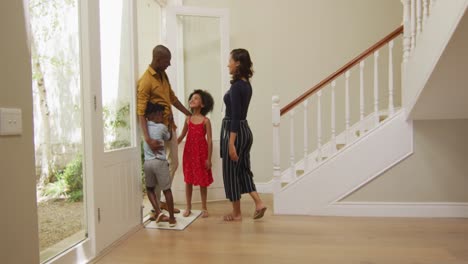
187,213
204,213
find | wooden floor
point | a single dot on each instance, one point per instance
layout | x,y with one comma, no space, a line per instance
298,239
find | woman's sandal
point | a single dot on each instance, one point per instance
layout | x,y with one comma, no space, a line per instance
259,213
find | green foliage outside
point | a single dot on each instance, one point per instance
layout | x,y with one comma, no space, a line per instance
69,182
115,123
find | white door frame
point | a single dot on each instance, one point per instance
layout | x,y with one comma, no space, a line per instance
175,44
174,41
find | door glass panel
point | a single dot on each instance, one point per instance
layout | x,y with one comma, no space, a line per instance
116,73
202,61
58,140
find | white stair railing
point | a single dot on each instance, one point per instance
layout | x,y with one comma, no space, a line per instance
312,158
415,15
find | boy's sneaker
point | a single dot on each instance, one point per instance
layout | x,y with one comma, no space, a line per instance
158,218
172,222
153,215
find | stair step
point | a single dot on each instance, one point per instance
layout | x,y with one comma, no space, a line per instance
299,173
284,184
358,132
340,146
323,158
382,118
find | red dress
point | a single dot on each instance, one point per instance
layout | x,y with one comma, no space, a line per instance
195,156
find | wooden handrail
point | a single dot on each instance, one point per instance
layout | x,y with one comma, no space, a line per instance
343,69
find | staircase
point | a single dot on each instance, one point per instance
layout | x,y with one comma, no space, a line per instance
335,159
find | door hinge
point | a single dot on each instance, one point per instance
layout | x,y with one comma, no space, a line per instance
95,103
99,215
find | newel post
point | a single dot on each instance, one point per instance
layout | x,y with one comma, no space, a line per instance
276,119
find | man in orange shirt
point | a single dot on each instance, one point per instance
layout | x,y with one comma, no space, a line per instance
154,87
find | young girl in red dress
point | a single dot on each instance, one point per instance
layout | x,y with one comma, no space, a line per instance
198,148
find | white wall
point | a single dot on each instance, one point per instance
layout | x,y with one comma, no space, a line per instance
149,35
445,94
436,172
294,45
19,241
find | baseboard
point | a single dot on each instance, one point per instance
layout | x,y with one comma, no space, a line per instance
389,209
119,241
214,194
264,187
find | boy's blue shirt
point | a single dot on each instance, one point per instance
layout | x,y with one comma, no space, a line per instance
159,132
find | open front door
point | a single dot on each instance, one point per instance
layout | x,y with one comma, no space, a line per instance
117,162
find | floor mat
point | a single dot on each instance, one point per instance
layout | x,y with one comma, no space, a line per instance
182,222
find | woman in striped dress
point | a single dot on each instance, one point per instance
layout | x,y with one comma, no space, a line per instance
237,139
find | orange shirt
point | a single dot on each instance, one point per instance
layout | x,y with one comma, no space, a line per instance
155,88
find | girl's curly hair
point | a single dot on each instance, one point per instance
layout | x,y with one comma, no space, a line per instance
207,101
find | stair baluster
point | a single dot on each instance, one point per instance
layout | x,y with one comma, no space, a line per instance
418,17
306,136
406,31
319,127
425,11
276,117
347,110
376,87
413,24
292,160
361,90
333,127
391,107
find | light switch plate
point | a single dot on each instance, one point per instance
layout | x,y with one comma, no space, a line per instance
10,122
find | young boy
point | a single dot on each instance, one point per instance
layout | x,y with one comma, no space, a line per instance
156,166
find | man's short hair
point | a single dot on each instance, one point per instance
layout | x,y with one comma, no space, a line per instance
161,51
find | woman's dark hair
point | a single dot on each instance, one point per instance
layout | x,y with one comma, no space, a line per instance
244,70
153,108
207,101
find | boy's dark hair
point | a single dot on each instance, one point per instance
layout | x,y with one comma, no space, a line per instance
153,108
207,101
